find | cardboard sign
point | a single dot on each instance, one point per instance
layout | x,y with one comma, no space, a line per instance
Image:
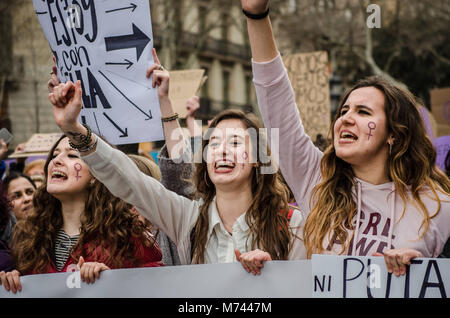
440,105
107,46
38,144
309,76
184,85
367,277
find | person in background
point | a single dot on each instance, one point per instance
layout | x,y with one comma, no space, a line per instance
376,190
150,168
20,190
35,169
77,222
6,226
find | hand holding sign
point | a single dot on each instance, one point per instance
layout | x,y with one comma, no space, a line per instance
66,101
253,261
397,259
11,281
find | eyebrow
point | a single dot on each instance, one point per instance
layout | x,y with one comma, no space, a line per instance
359,107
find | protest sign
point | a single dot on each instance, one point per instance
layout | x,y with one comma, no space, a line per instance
38,144
107,45
367,277
230,280
184,85
309,76
323,276
440,107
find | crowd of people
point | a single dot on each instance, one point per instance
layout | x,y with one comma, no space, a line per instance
374,190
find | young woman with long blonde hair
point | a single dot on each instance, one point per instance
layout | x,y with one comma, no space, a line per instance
376,189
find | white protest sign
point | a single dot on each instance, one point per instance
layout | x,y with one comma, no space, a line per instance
107,45
367,277
279,279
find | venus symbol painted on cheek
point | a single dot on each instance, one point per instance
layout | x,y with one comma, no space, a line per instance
244,156
371,126
78,168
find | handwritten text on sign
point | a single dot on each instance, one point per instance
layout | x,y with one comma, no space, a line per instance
367,277
107,46
309,77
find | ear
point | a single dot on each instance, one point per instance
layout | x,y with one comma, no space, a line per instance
92,181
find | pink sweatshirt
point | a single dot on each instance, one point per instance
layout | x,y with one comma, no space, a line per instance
378,205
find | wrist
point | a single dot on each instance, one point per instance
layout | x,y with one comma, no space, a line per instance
76,127
256,16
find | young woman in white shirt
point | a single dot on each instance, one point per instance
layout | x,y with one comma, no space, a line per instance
238,209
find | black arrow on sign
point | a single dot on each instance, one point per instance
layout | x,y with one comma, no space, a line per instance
137,40
124,133
132,6
127,62
147,115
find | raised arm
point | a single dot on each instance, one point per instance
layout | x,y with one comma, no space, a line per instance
298,157
172,213
172,131
262,41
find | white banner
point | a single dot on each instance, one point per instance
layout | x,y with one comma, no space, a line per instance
107,45
279,279
324,276
367,277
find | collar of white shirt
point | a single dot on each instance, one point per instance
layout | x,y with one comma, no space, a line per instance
215,220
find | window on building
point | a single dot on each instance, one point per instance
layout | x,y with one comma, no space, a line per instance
226,88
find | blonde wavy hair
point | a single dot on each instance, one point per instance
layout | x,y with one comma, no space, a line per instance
411,164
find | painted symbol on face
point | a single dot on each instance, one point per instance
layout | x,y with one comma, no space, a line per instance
244,156
371,126
78,168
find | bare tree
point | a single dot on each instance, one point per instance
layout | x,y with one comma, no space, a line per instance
412,32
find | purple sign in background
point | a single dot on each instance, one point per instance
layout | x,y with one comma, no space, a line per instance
442,145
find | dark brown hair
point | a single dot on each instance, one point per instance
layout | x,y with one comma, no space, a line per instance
106,222
267,214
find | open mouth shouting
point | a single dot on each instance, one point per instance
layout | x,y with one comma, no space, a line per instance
224,166
58,176
347,137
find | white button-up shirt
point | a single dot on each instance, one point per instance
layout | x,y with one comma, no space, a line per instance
176,215
221,244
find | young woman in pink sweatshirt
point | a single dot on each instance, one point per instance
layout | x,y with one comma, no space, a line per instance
376,189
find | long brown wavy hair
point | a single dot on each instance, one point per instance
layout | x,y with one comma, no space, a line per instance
267,214
106,222
411,164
